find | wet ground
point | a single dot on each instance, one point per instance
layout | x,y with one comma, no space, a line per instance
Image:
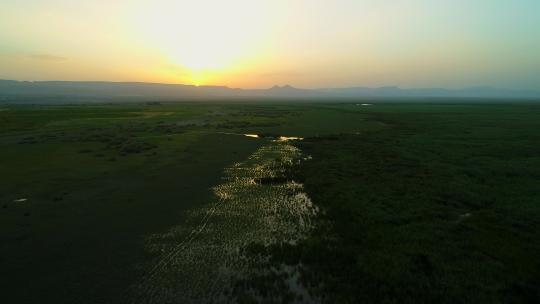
204,259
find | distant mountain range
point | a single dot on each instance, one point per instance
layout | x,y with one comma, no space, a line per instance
10,89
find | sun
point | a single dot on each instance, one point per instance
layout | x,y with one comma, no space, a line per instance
201,54
204,36
199,77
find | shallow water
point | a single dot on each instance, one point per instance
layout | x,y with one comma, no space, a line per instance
199,261
285,138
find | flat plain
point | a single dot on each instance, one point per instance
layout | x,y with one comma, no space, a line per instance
389,202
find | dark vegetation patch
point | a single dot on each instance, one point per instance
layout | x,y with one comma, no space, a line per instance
277,180
436,209
132,147
266,112
245,124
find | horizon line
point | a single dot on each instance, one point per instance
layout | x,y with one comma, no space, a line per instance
280,86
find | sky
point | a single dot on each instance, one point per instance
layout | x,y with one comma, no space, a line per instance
261,43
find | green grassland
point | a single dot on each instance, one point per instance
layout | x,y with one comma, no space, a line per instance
440,207
420,203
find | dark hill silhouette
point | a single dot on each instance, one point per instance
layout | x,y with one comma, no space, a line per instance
141,90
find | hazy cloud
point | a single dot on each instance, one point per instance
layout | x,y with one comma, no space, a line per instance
46,57
281,74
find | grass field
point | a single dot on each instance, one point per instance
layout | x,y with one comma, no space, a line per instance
417,203
440,207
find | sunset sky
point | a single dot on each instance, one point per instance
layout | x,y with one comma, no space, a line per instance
259,43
